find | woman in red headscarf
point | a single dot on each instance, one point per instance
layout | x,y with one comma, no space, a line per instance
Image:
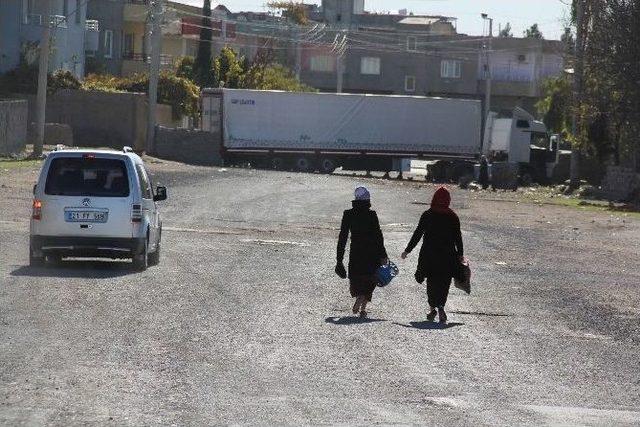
441,252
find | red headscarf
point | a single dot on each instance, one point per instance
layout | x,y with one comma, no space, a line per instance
441,201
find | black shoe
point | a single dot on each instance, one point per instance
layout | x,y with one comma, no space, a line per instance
432,315
363,314
442,315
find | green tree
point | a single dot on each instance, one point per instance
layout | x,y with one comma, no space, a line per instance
294,11
185,67
533,32
569,41
203,63
506,31
555,105
228,68
270,76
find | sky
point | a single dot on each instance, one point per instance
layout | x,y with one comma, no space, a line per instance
549,14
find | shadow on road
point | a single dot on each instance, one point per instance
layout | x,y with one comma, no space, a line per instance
77,269
425,324
480,313
351,320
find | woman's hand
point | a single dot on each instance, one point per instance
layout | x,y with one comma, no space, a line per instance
404,255
384,261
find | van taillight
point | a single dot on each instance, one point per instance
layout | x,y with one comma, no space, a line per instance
136,213
36,212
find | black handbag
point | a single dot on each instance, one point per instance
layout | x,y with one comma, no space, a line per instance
463,277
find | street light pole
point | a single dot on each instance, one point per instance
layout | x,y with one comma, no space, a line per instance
155,12
574,173
43,70
487,71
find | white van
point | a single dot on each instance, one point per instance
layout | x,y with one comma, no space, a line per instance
95,203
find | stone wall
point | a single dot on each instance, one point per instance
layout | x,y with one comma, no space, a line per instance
13,126
188,146
621,183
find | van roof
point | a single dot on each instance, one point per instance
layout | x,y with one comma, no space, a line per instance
60,152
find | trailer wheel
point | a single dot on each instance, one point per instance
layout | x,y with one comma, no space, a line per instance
277,163
303,164
327,165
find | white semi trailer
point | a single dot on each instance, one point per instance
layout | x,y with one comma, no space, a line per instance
318,131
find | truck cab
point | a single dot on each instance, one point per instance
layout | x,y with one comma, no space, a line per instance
522,142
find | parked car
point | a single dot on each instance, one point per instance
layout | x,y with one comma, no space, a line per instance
95,203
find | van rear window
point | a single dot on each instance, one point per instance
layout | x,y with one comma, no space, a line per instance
87,176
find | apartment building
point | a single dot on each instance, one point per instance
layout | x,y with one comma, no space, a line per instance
424,55
21,28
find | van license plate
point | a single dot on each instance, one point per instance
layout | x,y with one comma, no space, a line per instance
83,216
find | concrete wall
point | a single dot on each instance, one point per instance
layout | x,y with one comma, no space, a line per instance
102,119
621,183
188,146
13,126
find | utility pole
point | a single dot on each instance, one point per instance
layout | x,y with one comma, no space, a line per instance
574,174
339,73
298,47
43,70
488,45
155,15
340,52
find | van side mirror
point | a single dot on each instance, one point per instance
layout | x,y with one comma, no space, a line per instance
161,194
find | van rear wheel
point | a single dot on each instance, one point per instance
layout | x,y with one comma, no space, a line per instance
141,260
35,261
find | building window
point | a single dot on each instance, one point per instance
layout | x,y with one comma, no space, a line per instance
412,43
108,44
370,65
77,11
323,63
451,69
409,83
28,13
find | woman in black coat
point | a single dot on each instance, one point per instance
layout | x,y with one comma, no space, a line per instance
367,251
441,253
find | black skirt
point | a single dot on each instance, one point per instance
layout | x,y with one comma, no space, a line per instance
362,285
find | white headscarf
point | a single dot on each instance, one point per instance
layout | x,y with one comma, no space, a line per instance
362,193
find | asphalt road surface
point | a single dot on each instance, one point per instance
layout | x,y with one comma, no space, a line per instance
244,321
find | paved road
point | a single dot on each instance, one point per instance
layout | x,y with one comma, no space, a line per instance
243,322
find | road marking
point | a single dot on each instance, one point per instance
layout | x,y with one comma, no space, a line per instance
275,242
201,231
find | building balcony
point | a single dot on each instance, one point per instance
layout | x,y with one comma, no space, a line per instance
92,35
35,19
136,11
136,63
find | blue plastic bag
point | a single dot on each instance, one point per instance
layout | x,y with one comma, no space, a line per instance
386,273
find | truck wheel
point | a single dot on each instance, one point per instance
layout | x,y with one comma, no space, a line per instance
303,164
327,165
277,163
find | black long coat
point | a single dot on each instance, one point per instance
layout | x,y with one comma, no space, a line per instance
442,246
367,243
